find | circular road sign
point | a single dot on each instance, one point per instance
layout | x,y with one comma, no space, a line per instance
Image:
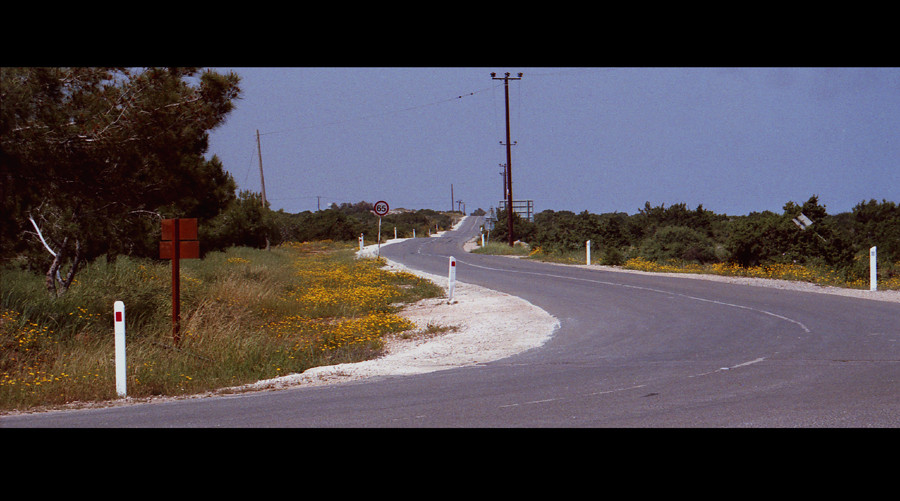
381,208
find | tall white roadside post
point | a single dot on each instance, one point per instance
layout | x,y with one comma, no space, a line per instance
119,323
873,269
451,278
587,246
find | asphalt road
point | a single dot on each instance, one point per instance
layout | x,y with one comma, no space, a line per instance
632,350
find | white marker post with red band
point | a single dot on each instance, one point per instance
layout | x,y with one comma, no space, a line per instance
451,278
119,323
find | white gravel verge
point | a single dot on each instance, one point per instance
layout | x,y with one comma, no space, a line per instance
485,325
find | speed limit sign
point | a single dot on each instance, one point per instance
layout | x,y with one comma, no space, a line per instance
381,208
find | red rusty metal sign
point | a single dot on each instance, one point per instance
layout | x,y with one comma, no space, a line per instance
179,241
187,229
189,249
188,246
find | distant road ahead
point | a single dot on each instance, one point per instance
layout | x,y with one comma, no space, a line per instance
632,350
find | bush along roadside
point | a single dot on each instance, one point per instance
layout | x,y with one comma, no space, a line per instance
832,250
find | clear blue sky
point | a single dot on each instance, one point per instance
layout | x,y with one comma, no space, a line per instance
736,140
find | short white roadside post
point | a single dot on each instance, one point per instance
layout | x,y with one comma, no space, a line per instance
873,269
587,247
451,278
119,322
482,239
361,241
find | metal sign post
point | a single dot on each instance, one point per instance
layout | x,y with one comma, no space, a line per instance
179,241
381,208
804,222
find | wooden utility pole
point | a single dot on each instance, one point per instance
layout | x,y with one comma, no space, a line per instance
509,195
262,180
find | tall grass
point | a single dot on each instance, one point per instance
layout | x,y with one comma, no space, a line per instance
246,315
502,249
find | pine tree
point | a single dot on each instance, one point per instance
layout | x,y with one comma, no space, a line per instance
93,158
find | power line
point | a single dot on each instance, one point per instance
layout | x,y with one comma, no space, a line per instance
573,70
376,115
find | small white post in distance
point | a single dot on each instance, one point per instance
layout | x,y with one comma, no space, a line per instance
587,247
119,329
451,279
873,269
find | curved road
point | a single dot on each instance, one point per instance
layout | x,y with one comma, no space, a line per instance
632,350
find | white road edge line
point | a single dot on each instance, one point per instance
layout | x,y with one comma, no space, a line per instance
744,364
781,317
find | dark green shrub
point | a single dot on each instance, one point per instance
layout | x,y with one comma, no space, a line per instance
612,256
678,243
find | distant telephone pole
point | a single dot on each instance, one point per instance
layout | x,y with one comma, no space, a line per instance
262,180
509,195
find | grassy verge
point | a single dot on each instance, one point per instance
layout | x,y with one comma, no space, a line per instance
812,274
246,315
501,249
796,272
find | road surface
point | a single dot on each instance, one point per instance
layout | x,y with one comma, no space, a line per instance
632,350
